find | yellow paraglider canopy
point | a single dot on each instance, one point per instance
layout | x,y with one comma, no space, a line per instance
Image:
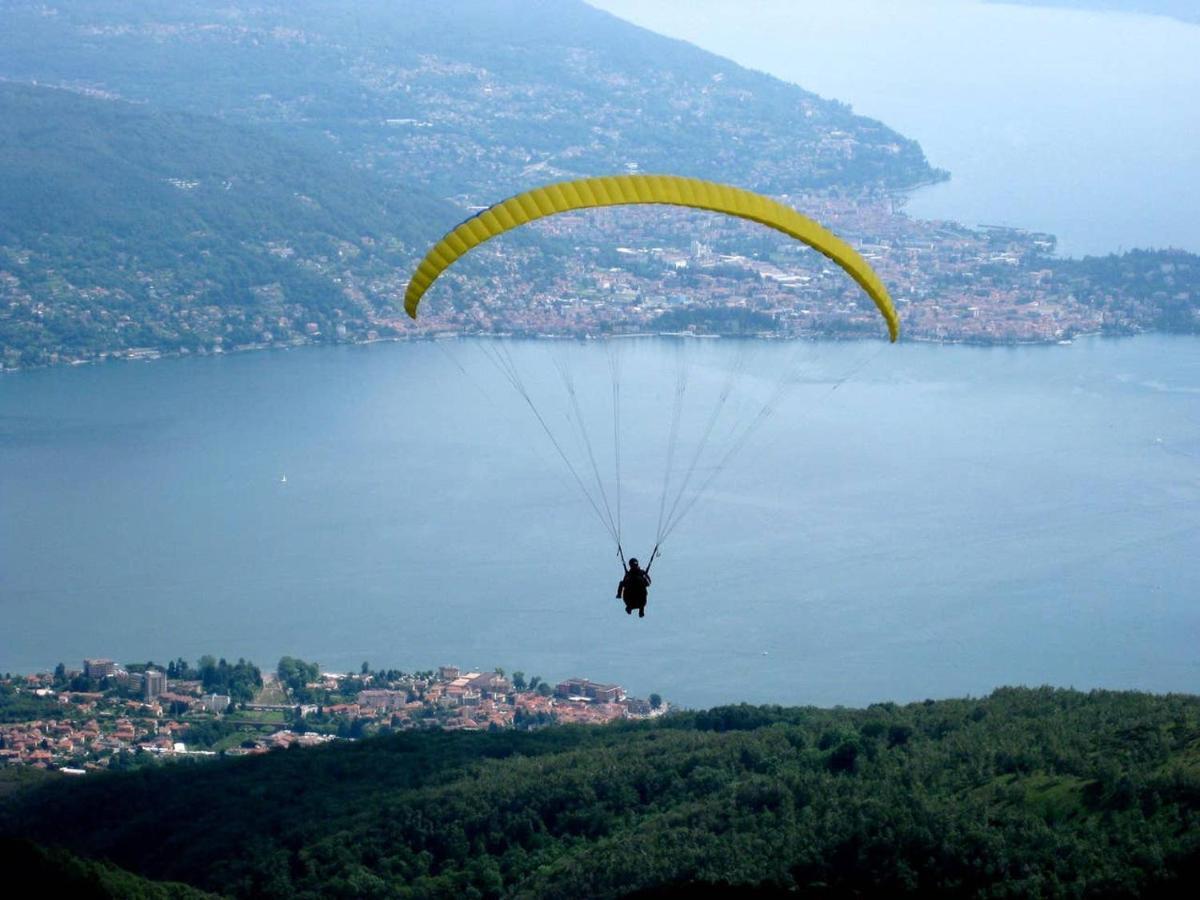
619,190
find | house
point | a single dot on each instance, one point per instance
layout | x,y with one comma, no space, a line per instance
490,684
583,689
382,699
99,668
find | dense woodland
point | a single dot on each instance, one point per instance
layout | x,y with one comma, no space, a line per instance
1027,792
58,873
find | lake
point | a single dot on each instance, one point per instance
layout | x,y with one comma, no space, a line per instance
1082,124
946,520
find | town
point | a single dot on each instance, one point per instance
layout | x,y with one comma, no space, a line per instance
658,270
110,716
667,271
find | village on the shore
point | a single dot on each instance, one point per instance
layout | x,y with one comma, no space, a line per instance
109,716
950,282
611,273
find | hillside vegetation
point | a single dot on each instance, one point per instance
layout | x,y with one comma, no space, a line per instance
228,175
475,97
216,176
1023,793
59,873
121,225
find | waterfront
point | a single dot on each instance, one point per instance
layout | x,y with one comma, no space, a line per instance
949,520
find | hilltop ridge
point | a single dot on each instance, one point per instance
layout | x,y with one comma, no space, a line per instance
473,97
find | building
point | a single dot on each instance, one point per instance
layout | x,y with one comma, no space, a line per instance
99,668
490,684
606,693
589,690
448,673
154,683
382,700
638,707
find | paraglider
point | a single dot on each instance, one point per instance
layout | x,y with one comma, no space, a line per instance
621,190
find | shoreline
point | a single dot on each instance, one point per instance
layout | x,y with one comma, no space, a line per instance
132,356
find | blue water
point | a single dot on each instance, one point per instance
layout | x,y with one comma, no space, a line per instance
1083,124
947,520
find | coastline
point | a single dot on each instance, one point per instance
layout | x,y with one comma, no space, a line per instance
136,356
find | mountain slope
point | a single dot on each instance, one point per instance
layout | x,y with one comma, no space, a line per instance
478,97
1026,792
122,225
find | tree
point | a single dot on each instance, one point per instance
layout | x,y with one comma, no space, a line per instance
898,735
499,671
844,758
366,669
655,701
60,674
544,689
295,674
518,681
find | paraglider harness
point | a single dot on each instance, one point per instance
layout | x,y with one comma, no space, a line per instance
654,554
628,591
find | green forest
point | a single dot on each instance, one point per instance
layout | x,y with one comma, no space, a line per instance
1026,792
59,873
122,226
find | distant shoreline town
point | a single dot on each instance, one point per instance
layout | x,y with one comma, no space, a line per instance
110,716
279,214
951,283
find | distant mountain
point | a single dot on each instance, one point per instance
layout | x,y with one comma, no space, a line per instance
216,175
1024,793
1184,10
126,225
473,97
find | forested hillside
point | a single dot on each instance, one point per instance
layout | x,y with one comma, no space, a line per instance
1024,793
475,97
229,175
58,873
123,225
232,175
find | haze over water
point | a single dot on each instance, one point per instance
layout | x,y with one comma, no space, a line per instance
949,520
1083,124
